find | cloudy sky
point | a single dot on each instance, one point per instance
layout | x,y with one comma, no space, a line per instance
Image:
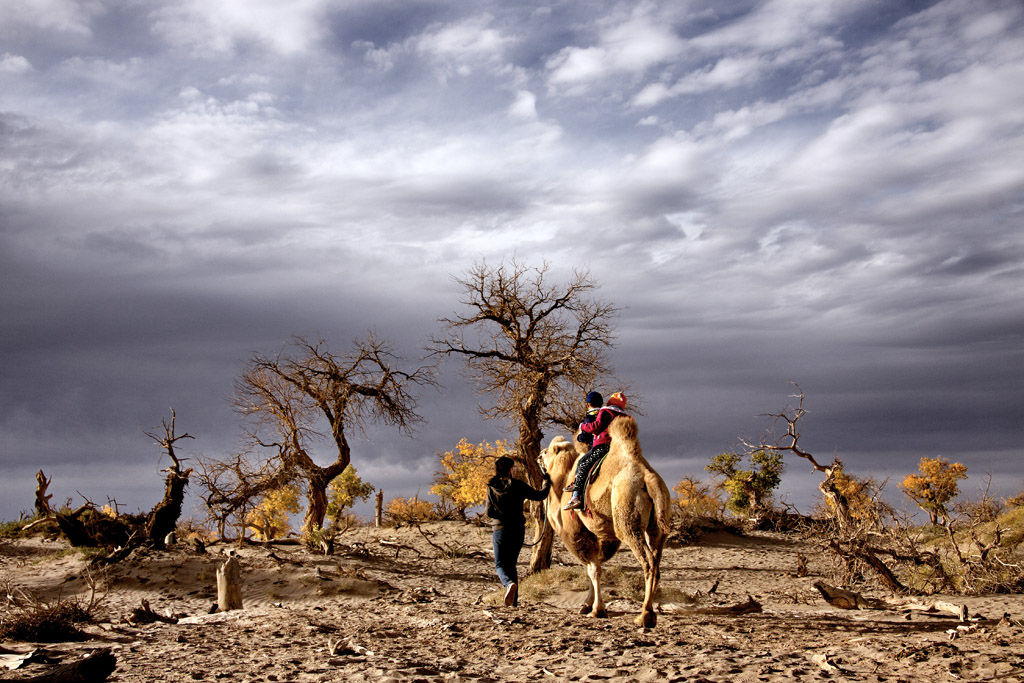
827,192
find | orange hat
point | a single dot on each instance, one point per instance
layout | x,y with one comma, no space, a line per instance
618,399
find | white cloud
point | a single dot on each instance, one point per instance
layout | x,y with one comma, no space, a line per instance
220,27
14,64
626,45
63,16
471,38
525,106
728,72
464,46
778,24
866,187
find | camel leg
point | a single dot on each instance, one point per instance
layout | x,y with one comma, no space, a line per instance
655,545
598,610
649,558
588,602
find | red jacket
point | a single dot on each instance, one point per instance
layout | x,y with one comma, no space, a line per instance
599,427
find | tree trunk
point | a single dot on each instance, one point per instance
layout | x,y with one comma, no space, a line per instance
316,494
42,497
528,448
839,502
229,586
163,518
378,512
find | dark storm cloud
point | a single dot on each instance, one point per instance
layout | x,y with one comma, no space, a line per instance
816,192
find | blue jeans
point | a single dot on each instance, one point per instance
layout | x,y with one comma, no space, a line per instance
508,541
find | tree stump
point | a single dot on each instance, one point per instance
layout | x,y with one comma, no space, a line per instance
229,586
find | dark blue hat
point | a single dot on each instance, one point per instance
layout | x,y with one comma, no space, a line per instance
595,399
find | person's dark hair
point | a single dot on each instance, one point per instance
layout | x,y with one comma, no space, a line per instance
503,465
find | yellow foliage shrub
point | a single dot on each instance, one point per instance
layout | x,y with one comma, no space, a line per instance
269,519
462,480
406,510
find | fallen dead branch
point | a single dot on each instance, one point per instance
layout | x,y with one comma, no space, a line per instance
398,547
449,550
144,614
844,599
93,667
749,606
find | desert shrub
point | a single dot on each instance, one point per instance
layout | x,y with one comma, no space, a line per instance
461,482
344,491
697,507
320,539
750,490
978,551
269,519
408,510
191,530
45,623
935,486
13,528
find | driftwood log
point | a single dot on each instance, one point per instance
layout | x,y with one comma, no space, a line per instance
93,667
844,599
749,606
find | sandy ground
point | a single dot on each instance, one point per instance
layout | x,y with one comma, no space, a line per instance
403,611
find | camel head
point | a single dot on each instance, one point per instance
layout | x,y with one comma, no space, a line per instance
558,458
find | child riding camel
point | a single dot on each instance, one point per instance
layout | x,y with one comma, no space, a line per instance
594,403
598,428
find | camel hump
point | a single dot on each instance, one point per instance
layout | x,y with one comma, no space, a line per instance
623,428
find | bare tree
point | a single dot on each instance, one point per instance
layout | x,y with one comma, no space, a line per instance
790,441
43,508
163,518
231,486
535,347
87,526
306,394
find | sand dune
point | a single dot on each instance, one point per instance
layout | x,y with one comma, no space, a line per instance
401,611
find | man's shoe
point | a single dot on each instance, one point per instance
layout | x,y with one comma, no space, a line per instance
511,593
575,503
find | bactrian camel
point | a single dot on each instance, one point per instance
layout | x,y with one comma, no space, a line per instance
628,501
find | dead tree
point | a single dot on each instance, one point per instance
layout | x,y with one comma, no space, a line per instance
831,486
163,518
88,526
42,497
853,503
533,343
305,394
231,487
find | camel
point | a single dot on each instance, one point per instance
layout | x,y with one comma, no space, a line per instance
628,501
